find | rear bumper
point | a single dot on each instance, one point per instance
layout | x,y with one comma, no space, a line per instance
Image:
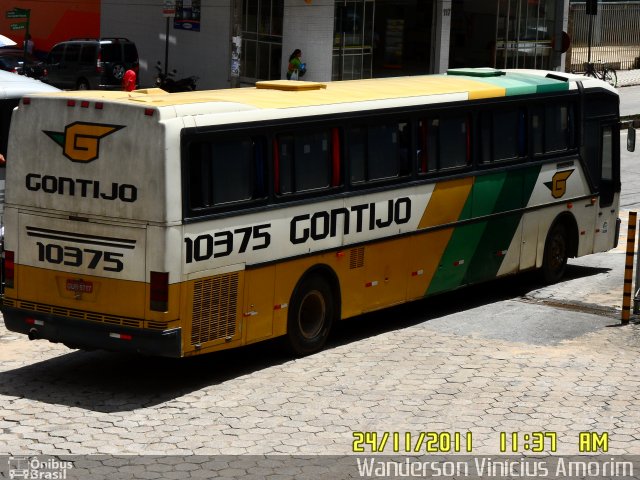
91,336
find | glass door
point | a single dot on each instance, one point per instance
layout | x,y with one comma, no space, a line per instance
353,39
524,29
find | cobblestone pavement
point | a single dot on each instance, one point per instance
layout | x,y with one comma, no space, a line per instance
415,378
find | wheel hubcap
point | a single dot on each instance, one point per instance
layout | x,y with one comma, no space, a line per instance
311,315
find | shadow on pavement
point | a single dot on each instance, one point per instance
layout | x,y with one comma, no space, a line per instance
111,382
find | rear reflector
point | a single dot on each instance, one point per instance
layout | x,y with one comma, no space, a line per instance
159,294
8,268
121,336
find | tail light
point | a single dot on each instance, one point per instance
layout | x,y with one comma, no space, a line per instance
159,298
9,268
99,64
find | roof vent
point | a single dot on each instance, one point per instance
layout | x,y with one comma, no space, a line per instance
290,85
476,72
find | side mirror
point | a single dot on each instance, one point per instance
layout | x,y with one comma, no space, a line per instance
631,139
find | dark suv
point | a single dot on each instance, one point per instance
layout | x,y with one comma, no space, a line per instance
91,63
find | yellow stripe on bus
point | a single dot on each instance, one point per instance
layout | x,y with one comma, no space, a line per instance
446,202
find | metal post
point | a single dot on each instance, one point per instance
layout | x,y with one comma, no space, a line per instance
628,268
236,43
166,49
589,38
636,296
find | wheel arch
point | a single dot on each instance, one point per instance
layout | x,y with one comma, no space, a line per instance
569,221
329,275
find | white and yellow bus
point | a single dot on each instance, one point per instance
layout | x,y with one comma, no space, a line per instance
180,224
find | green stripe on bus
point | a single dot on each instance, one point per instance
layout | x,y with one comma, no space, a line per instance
511,85
476,251
542,84
522,83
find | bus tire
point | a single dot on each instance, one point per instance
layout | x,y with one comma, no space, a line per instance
311,313
556,253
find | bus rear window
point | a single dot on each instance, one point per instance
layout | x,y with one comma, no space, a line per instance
225,171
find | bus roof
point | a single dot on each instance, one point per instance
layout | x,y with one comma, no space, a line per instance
463,84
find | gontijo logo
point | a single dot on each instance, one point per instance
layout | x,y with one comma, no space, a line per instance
558,184
80,141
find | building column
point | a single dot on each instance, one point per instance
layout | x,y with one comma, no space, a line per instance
441,38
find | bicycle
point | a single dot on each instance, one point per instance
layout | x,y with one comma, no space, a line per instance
605,73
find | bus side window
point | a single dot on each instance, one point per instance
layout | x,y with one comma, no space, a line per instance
379,151
537,129
225,171
444,143
382,148
503,135
305,161
557,127
357,149
454,142
552,128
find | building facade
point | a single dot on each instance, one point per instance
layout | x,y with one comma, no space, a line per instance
239,42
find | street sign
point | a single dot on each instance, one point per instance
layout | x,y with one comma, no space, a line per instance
18,13
17,26
169,9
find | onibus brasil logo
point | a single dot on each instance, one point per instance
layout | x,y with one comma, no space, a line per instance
80,141
38,468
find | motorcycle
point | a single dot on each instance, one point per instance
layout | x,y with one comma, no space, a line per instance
168,83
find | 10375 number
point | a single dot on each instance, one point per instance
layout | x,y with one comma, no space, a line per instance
205,246
76,257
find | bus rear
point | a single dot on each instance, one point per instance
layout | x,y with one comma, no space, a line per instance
86,203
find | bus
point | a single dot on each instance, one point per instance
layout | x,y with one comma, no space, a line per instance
12,88
186,223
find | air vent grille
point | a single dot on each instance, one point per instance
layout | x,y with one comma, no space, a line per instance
356,257
215,303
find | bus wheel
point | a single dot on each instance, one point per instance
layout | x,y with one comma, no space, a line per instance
310,316
556,252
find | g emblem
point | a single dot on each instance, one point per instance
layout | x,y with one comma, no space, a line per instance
80,141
